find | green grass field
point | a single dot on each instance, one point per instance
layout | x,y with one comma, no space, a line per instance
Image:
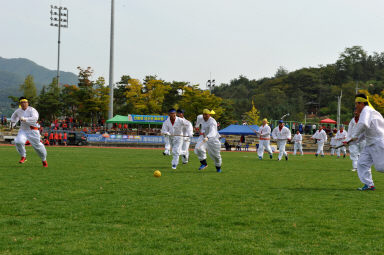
106,201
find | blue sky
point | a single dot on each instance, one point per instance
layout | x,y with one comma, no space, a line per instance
187,40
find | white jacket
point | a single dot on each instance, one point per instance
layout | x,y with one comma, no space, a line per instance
265,132
282,134
351,127
209,128
176,129
188,129
320,136
31,116
371,124
341,136
298,138
333,141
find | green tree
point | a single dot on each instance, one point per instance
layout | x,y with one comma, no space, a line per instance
120,104
281,71
253,116
195,100
69,97
154,94
92,96
29,90
49,104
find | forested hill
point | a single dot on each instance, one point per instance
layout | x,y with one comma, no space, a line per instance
310,90
13,72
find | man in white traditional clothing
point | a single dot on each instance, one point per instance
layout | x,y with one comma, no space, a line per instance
211,140
264,133
341,136
355,147
187,136
298,140
200,147
281,134
29,130
371,124
173,128
333,142
321,137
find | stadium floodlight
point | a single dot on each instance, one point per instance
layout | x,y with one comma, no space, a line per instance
59,19
210,83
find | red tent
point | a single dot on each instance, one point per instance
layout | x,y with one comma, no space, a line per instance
328,121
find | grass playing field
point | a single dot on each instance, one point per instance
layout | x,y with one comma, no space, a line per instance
106,201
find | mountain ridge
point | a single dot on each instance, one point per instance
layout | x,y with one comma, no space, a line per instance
13,72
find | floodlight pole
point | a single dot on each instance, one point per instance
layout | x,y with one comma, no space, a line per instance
58,50
210,83
59,22
110,110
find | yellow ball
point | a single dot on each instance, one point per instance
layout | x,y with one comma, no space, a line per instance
157,173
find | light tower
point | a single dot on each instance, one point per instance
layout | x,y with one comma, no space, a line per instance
59,19
111,53
210,84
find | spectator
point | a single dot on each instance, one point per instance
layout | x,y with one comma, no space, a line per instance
314,128
65,139
51,138
227,146
242,139
301,128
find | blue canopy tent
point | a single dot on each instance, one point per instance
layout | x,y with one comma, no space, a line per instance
239,130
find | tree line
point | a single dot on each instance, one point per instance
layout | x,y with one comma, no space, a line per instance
88,100
307,92
311,91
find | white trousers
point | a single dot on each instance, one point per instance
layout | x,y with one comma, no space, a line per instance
343,149
354,152
33,136
201,148
176,143
332,150
264,145
185,149
320,146
281,145
167,145
213,148
298,146
371,155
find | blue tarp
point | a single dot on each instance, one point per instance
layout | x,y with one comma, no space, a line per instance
239,130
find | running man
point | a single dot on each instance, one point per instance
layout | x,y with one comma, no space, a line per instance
29,130
264,139
173,128
333,142
212,141
355,147
281,134
298,139
371,125
187,136
341,135
321,138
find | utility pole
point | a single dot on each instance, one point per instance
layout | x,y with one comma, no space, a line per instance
111,45
59,19
357,88
339,108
